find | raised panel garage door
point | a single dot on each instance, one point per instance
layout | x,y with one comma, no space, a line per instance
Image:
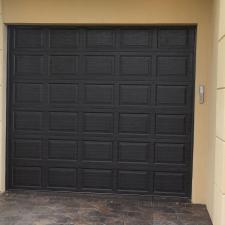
102,109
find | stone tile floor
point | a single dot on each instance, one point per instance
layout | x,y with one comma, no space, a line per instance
50,208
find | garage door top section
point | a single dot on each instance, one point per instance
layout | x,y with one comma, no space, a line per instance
106,109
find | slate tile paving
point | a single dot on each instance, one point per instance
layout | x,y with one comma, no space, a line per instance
51,208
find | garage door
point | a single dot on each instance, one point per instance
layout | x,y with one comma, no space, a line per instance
101,109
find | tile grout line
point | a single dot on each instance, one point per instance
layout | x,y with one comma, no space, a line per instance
220,88
220,39
220,139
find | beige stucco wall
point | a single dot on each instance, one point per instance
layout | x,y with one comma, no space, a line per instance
3,46
133,12
216,166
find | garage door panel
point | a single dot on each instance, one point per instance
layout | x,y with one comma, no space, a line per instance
29,177
174,66
100,38
171,95
133,152
92,164
63,38
173,183
170,153
135,65
98,122
63,64
137,181
29,65
63,121
28,93
173,38
63,93
28,121
134,94
62,178
97,151
99,94
101,109
140,39
97,179
27,148
62,149
99,65
29,38
171,124
134,123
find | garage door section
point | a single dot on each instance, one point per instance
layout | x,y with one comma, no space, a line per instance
102,109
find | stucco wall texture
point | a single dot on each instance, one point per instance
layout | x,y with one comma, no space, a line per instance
216,164
207,188
3,63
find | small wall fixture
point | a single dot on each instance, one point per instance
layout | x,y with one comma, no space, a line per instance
201,94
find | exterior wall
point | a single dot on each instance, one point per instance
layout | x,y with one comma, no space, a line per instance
134,12
212,113
216,166
3,47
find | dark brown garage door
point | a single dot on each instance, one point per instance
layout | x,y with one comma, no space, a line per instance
103,109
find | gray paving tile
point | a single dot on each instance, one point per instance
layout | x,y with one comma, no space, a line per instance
50,208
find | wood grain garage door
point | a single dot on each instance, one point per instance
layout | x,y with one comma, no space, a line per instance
102,109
